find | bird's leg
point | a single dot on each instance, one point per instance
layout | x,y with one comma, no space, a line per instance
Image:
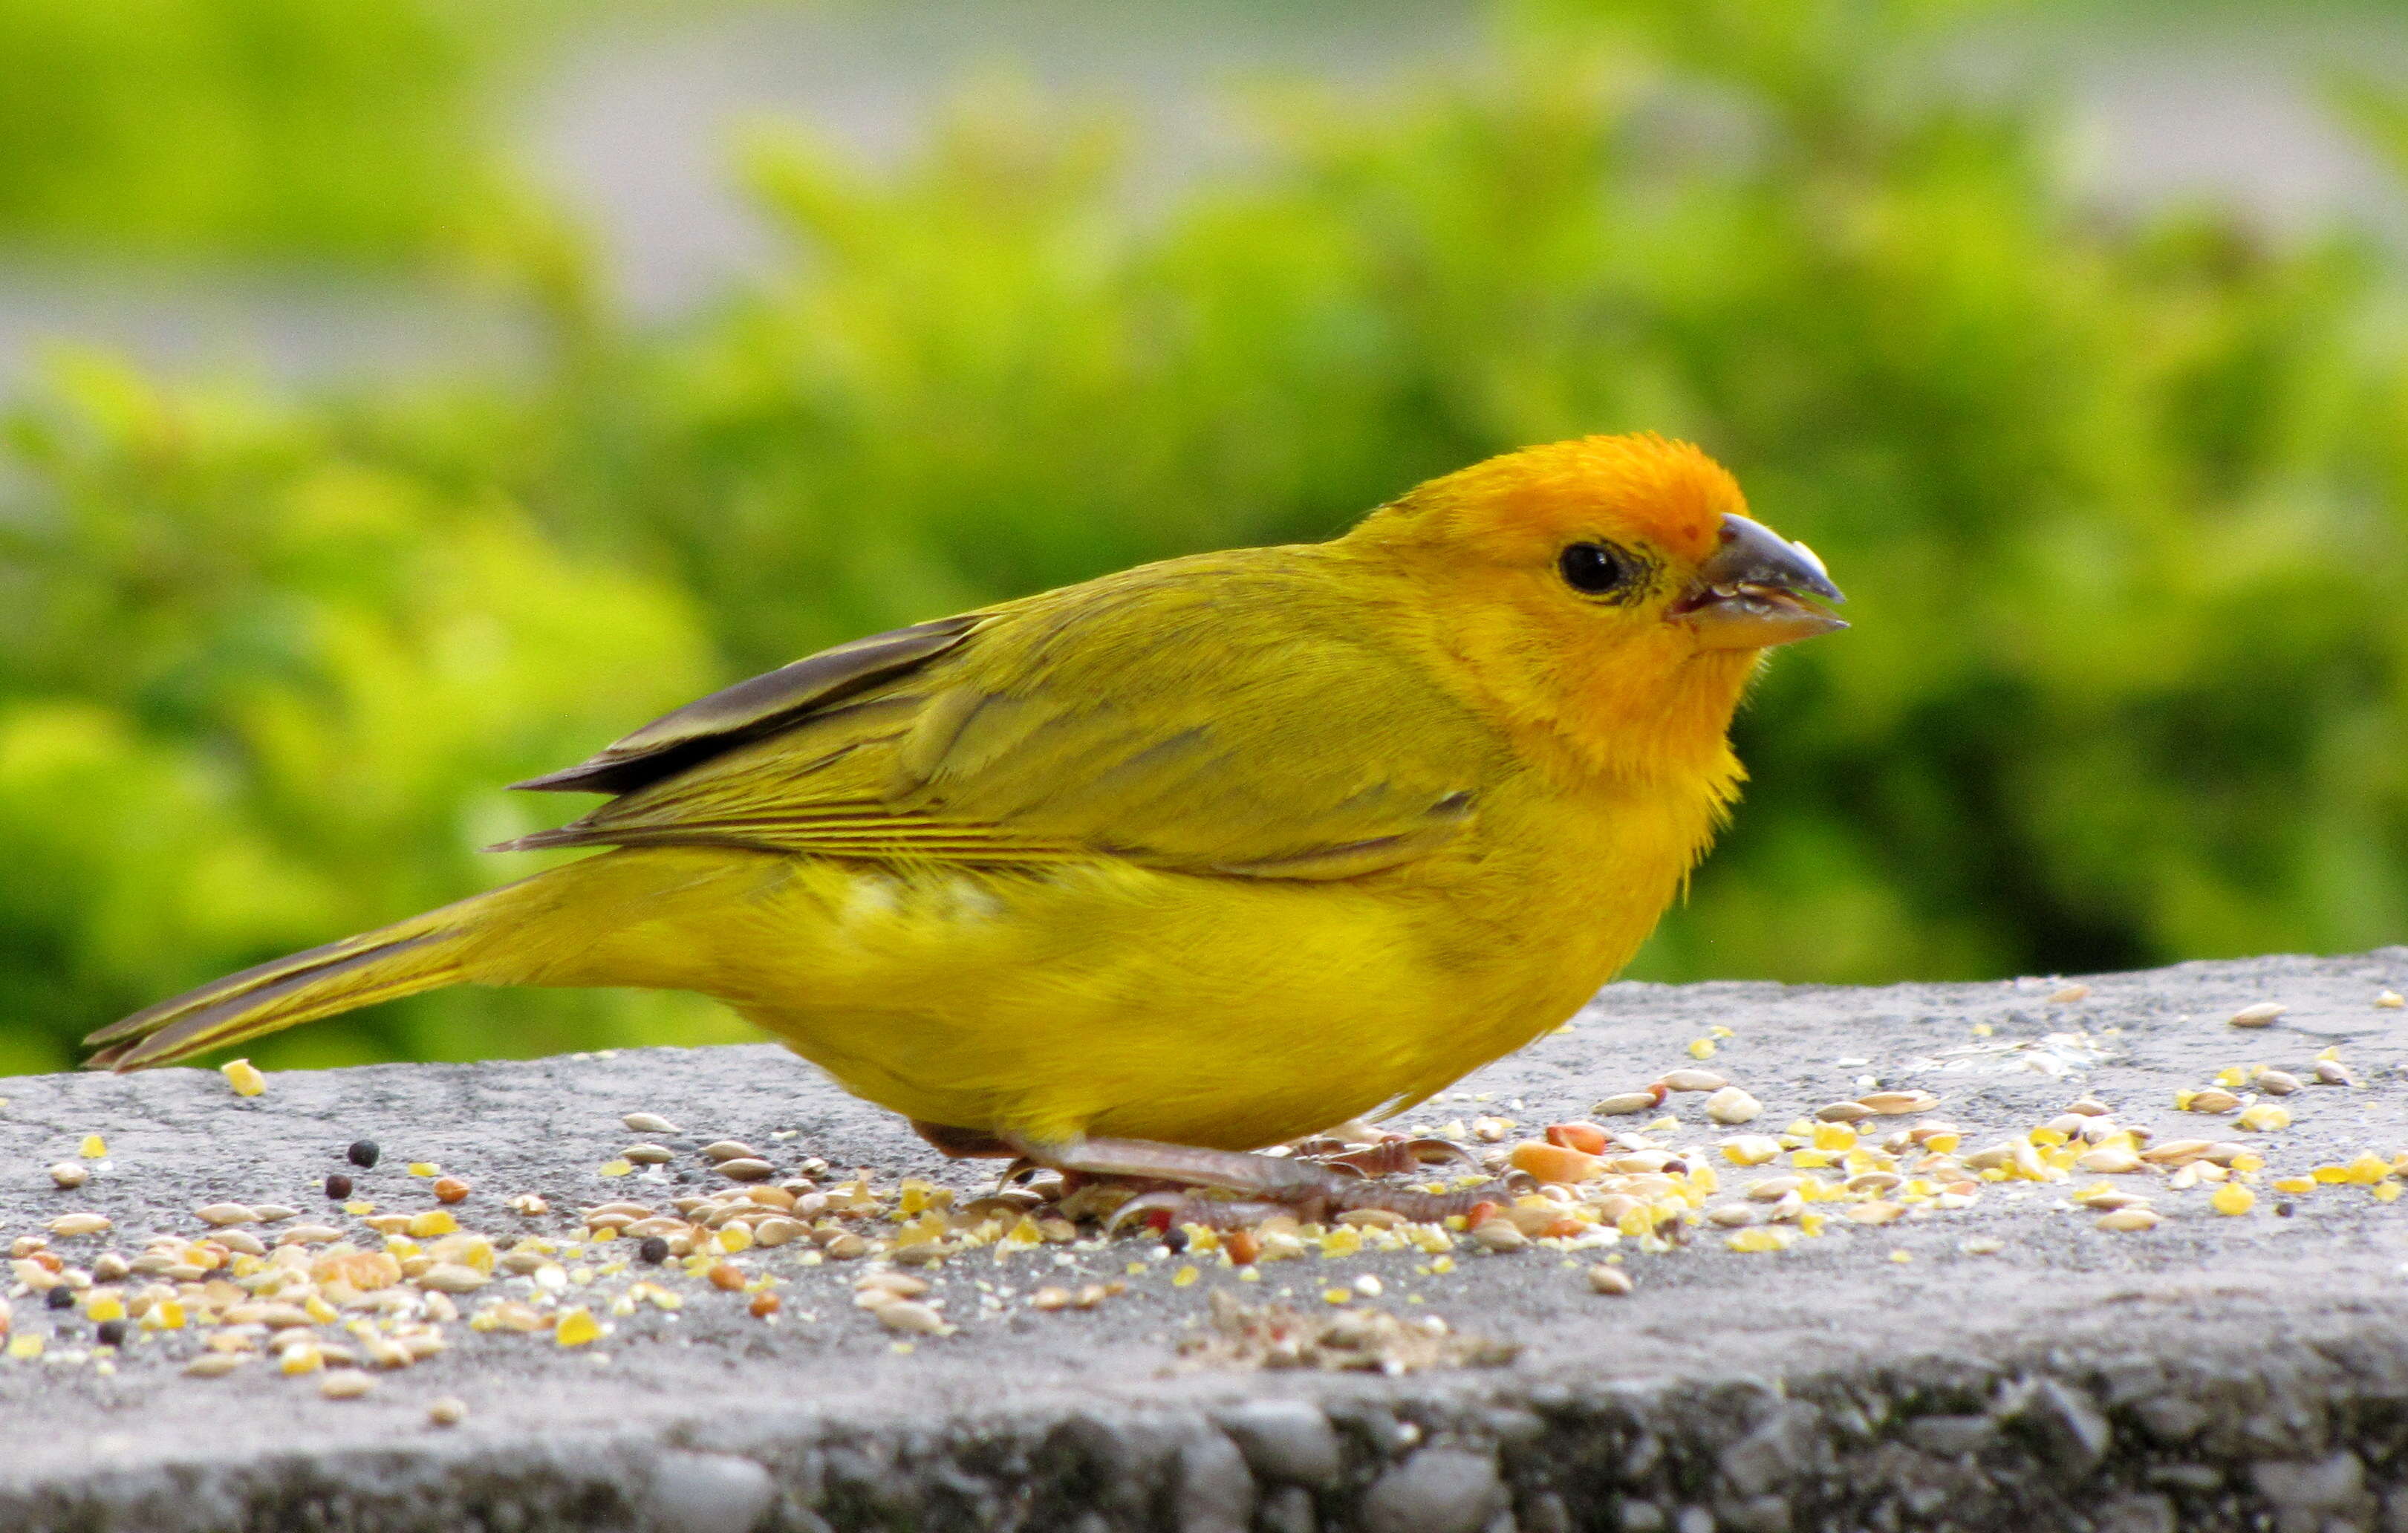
1314,1193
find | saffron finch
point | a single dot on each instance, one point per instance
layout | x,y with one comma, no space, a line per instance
1185,861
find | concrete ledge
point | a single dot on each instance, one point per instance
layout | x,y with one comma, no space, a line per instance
2215,1373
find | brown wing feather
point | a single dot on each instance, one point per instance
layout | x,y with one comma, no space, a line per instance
751,708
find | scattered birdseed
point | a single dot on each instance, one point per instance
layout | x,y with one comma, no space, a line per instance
2124,1220
729,1150
648,1154
1689,1080
424,1168
2260,1015
215,1364
654,1252
2212,1099
69,1174
244,1077
1899,1104
345,1384
1731,1104
905,1315
2333,1072
2069,994
1609,1280
2390,1000
338,1187
2264,1118
59,1297
1751,1149
92,1148
450,1189
576,1328
764,1305
2233,1198
363,1154
650,1122
111,1332
78,1224
2278,1082
448,1411
1701,1048
726,1277
615,1168
1624,1104
745,1168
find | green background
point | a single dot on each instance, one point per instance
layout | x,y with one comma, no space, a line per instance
2120,495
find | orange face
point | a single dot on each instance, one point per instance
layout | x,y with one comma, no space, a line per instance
1610,588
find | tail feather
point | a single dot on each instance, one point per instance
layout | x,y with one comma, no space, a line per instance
421,954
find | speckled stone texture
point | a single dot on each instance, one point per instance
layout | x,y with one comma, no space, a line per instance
2214,1373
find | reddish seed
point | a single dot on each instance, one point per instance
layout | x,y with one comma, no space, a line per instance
1480,1213
338,1187
726,1275
450,1189
1589,1139
766,1304
1243,1247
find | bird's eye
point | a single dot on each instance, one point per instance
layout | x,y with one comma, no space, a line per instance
1596,569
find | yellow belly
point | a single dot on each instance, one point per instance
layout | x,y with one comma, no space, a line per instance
1108,998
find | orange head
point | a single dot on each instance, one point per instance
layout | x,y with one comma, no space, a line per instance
1608,593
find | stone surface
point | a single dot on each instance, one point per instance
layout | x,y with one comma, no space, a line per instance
2211,1373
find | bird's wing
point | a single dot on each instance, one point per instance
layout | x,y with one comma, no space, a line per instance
1208,715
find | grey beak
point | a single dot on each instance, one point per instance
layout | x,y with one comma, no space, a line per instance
1753,554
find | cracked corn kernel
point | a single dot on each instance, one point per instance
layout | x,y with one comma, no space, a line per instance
432,1223
244,1077
1185,1277
2232,1198
2264,1118
304,1358
576,1328
92,1148
424,1167
1761,1238
616,1168
1701,1048
1751,1149
2391,1001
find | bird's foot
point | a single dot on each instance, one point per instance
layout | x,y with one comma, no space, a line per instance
1264,1185
1394,1155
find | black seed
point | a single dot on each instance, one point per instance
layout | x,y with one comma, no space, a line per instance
338,1187
2282,1210
60,1298
655,1250
1174,1240
112,1333
364,1153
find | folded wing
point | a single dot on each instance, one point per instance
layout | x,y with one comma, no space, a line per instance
1216,715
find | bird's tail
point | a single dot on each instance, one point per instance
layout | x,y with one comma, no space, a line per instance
423,952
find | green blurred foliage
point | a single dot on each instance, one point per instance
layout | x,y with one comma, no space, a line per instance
291,128
2121,502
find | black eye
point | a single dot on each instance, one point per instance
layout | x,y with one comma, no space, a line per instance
1595,569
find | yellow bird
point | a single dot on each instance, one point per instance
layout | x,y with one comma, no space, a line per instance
1135,875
